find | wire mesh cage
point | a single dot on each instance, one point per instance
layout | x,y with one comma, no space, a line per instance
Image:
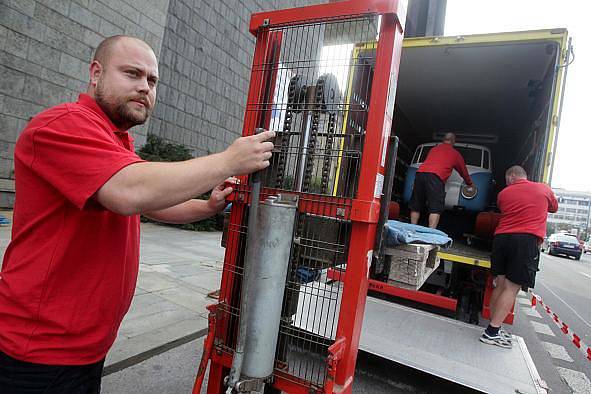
311,84
318,108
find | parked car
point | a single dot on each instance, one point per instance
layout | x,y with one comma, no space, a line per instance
563,244
587,247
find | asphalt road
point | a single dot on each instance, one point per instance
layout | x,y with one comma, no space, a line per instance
565,286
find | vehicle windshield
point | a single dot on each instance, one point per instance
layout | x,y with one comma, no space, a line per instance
472,156
565,238
424,153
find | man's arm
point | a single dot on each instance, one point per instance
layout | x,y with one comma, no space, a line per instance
501,201
148,187
186,212
460,167
193,210
552,202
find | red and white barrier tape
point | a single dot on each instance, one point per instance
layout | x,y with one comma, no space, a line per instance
574,338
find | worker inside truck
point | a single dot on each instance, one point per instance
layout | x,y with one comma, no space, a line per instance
70,270
429,186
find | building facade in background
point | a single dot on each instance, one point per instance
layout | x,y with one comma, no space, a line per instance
574,213
203,47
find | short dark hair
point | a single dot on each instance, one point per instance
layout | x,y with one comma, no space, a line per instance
517,171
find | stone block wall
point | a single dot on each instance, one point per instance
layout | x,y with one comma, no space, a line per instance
204,51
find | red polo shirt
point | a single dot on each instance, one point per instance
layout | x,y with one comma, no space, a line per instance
442,159
524,208
70,271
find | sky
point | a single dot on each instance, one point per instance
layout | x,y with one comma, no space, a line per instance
572,167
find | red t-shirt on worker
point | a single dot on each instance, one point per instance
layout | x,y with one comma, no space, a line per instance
442,159
524,208
70,271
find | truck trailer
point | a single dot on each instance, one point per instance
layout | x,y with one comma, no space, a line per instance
501,94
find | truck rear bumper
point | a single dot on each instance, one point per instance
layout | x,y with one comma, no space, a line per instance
565,251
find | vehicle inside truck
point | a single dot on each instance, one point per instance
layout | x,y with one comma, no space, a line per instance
497,94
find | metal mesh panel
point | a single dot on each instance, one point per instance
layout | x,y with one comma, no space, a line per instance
315,97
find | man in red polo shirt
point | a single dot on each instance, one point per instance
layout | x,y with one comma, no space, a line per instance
515,256
429,186
70,271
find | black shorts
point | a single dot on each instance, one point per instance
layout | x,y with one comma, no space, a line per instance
17,377
517,256
428,193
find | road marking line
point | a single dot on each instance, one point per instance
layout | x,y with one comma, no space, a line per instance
531,312
587,275
577,381
542,328
557,351
524,301
567,305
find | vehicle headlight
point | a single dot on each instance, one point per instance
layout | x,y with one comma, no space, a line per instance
469,192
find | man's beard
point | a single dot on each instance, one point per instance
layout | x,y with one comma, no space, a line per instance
118,110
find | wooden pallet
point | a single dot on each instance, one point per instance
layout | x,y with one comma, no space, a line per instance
411,264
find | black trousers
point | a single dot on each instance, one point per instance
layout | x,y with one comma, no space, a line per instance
19,377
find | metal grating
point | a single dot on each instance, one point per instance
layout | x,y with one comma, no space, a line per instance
316,95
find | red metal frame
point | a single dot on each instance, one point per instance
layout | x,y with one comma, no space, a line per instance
364,208
207,347
413,295
486,302
328,11
308,203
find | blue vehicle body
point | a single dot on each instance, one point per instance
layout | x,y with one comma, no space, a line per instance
479,167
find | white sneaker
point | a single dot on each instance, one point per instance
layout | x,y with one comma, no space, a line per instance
497,340
505,334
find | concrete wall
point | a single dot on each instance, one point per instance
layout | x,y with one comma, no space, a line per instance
204,51
205,70
45,48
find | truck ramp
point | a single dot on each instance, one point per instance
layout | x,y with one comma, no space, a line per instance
437,345
448,349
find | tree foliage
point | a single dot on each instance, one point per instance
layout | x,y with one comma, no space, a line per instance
158,149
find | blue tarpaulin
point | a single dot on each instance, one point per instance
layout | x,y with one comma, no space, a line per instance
399,233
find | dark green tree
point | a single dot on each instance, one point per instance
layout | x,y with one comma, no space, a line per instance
158,149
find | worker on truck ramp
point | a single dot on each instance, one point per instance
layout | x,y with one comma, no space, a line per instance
70,271
429,186
515,256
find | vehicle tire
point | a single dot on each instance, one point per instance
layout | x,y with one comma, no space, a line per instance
578,257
